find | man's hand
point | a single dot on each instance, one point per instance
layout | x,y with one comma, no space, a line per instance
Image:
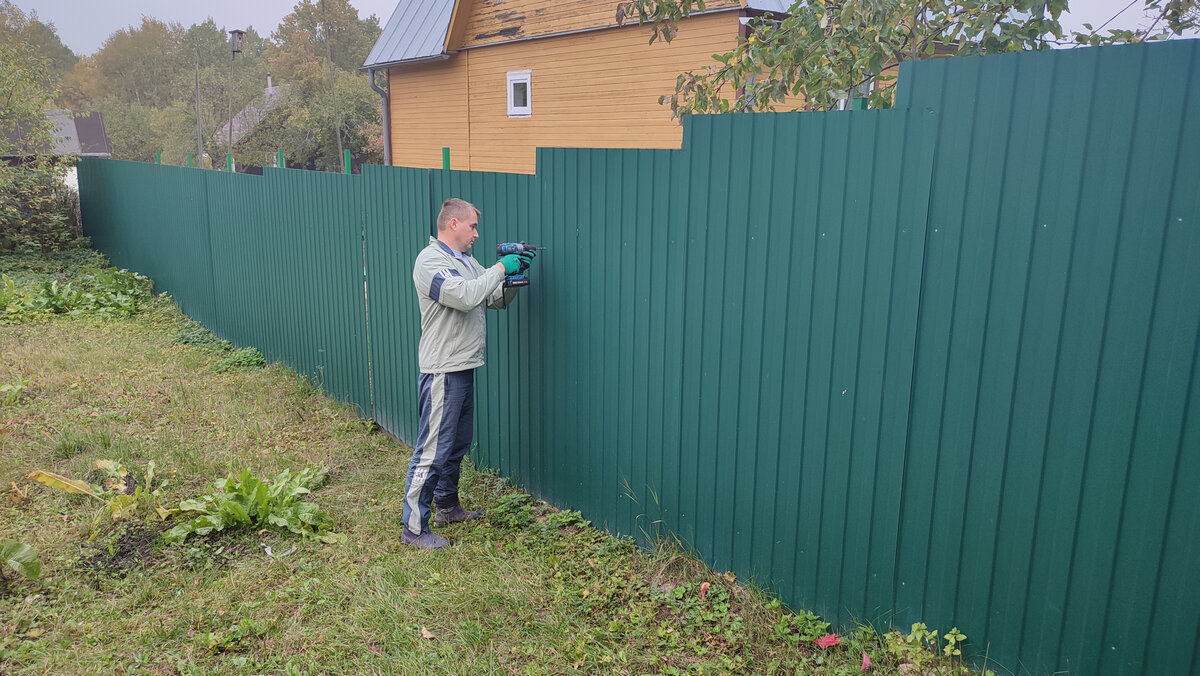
512,263
526,259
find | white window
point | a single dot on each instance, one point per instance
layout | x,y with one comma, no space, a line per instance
520,93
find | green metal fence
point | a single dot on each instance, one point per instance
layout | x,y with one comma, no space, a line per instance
933,363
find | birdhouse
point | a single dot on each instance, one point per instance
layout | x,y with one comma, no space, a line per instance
235,41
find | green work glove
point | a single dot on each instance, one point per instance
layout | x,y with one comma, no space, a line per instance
526,259
511,263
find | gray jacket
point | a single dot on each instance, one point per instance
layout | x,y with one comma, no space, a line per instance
452,299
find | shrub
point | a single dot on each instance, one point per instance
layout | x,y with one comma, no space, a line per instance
247,357
38,211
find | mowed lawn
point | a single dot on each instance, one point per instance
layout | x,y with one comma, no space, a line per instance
527,590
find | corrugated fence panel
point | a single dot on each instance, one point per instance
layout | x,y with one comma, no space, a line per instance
288,271
397,222
152,219
1054,360
932,364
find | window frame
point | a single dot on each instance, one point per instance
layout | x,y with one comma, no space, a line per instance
515,77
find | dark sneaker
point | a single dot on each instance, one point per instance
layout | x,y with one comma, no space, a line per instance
448,515
426,540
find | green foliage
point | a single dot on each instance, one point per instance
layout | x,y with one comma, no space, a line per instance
567,518
37,210
194,333
515,510
120,495
99,292
920,645
799,627
245,358
10,393
236,637
20,558
828,51
251,503
26,91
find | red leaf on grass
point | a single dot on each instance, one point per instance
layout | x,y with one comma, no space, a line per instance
375,649
704,589
828,640
866,662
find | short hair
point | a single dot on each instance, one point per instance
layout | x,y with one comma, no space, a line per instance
455,208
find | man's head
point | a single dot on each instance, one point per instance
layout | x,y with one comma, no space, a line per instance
458,224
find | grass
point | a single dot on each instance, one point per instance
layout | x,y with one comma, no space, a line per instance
527,590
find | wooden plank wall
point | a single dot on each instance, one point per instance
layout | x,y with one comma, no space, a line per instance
429,111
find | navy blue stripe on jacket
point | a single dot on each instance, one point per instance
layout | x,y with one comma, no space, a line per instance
435,288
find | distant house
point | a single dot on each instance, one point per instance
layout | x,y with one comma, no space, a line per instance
248,118
495,79
73,134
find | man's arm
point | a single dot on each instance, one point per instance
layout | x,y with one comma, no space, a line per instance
447,286
501,298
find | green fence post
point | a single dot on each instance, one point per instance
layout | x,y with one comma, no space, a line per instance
279,159
346,161
229,162
446,159
158,157
189,159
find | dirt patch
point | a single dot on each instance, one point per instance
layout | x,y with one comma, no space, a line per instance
137,546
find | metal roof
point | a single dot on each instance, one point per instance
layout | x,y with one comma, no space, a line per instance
416,31
70,134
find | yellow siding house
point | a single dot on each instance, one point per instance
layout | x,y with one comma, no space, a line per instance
495,79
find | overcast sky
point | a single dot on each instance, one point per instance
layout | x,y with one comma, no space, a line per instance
85,24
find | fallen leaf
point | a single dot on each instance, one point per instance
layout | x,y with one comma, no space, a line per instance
866,663
425,633
704,589
374,648
730,577
828,640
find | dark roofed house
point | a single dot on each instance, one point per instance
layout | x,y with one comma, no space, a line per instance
80,134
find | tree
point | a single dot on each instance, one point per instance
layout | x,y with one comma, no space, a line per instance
139,64
826,50
35,209
19,28
314,113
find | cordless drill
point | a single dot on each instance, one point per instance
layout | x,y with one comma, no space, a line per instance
519,278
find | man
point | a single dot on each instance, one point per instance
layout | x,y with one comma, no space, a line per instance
452,290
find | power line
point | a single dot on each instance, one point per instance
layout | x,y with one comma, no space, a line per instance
1114,16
